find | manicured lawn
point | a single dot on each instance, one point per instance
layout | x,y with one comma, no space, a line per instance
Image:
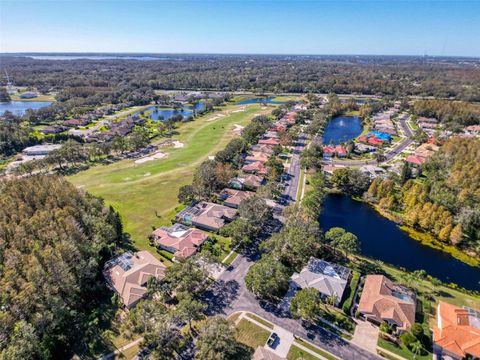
401,350
295,353
251,334
146,194
129,353
260,320
350,292
313,348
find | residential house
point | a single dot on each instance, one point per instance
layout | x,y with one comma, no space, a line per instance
127,274
269,142
328,278
207,216
472,130
457,332
233,198
328,152
28,95
382,300
180,240
422,153
256,156
76,122
249,181
263,149
271,135
54,129
256,167
41,150
340,151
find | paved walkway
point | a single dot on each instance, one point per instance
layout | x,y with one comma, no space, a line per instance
365,336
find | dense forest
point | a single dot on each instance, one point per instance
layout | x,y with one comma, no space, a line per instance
453,114
54,240
445,201
117,80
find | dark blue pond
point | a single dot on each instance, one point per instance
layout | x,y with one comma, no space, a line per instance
341,129
259,100
165,114
382,239
19,107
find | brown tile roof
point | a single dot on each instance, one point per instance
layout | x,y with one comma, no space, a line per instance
383,300
127,274
255,167
455,331
233,198
184,242
257,156
271,142
211,216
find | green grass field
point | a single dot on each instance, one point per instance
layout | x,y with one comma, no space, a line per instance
251,335
146,194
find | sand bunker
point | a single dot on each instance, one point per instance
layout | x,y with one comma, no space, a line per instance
219,116
177,144
157,155
238,128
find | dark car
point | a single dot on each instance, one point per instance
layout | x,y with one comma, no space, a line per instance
272,339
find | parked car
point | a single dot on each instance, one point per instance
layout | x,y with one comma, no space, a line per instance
272,339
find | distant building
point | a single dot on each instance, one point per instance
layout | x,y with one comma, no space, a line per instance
328,278
41,150
382,300
457,332
256,167
128,274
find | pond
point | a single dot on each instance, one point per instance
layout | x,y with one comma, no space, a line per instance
382,239
165,114
19,107
341,129
259,100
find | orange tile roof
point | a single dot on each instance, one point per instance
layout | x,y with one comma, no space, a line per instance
127,274
185,242
384,300
454,331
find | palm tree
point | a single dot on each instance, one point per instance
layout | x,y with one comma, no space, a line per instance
416,349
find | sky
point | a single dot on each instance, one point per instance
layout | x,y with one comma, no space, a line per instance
262,27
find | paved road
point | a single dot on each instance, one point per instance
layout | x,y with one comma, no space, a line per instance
397,150
291,188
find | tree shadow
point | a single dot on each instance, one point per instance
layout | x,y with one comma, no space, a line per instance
219,296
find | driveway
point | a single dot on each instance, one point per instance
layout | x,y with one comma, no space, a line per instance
365,336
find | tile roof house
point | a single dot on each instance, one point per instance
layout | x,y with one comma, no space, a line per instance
263,149
205,215
457,332
328,278
257,156
270,142
247,181
128,274
233,198
382,300
180,240
256,167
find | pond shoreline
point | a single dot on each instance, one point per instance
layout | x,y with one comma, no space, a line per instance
383,237
423,237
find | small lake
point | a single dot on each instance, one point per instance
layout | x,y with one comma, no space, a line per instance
19,107
382,239
341,129
165,114
259,100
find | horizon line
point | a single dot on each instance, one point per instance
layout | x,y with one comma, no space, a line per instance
233,54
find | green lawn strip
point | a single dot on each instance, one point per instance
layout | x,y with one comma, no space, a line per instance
38,98
401,350
300,184
230,259
260,320
350,292
234,317
295,353
146,194
129,353
314,349
251,335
